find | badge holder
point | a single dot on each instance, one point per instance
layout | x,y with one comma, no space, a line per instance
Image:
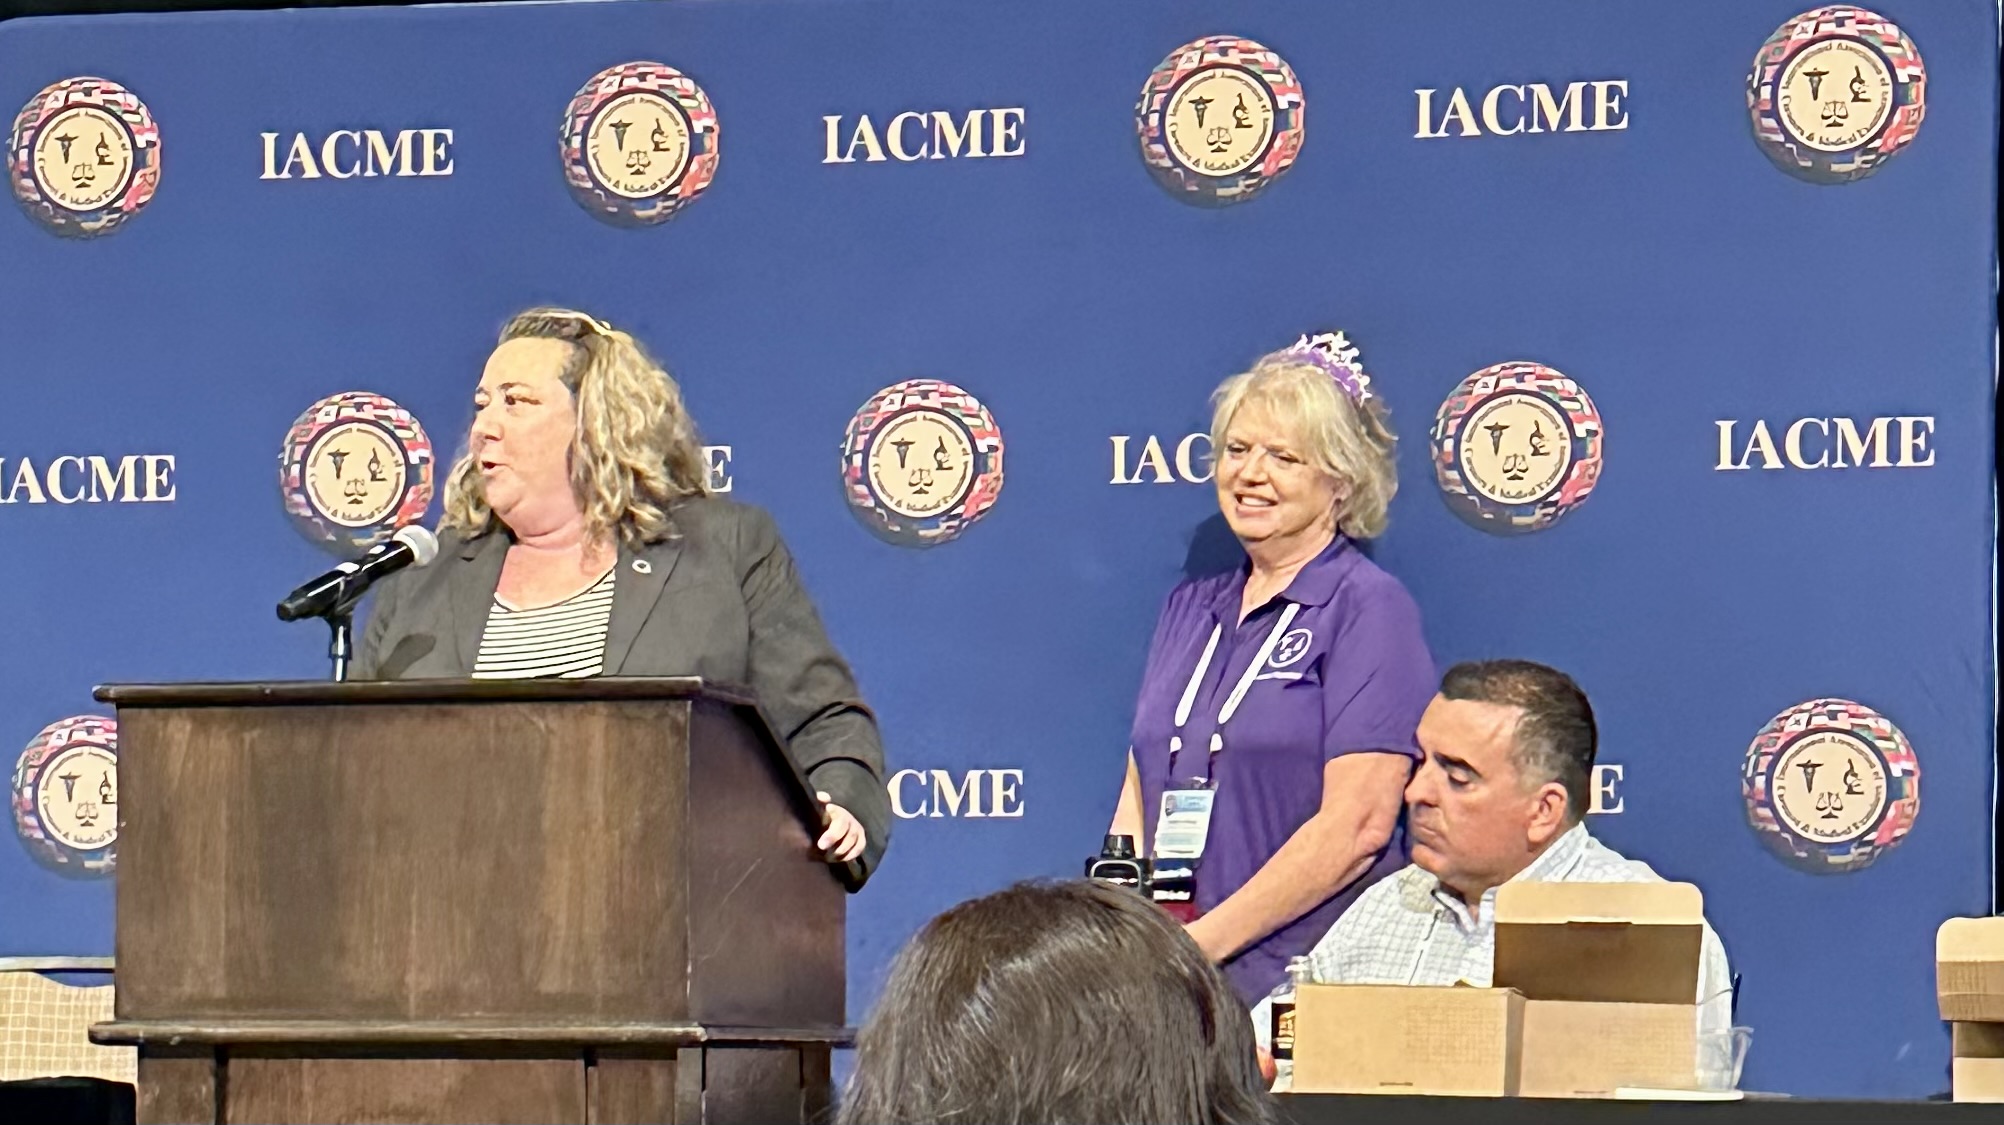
1181,831
1184,824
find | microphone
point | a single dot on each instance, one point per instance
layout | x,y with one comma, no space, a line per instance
333,592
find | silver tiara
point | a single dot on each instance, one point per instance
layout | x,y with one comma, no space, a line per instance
1336,356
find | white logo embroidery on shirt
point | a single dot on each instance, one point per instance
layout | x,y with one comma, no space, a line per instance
1291,648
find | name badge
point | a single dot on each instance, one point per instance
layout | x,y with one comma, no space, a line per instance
1185,822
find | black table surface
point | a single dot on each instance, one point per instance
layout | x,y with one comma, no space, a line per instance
1365,1109
66,1101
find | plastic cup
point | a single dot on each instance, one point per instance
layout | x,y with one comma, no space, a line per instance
1721,1054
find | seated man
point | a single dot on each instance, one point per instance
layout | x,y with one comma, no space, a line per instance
1500,795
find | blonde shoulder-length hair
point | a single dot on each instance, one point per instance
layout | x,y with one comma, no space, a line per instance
635,452
1350,441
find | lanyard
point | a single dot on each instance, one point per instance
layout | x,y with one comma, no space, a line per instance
1238,694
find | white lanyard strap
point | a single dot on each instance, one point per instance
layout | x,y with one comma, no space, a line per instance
1238,692
1259,662
1197,678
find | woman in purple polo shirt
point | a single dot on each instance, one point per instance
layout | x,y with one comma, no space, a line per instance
1273,735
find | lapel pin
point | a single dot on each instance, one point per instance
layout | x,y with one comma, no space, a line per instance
642,566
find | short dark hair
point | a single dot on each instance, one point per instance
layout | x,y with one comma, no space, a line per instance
1555,739
1056,1002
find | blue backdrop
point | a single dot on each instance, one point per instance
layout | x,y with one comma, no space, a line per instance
1666,265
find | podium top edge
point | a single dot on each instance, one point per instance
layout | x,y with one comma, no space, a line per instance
285,693
330,1032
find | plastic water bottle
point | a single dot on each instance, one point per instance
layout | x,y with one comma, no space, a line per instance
1300,971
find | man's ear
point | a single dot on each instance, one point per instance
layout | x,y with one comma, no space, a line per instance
1548,814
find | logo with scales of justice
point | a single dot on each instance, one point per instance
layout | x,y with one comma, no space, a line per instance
84,157
1830,785
1835,93
1219,119
1516,447
354,468
66,797
639,143
921,462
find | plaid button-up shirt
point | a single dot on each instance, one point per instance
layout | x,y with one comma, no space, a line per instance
1408,929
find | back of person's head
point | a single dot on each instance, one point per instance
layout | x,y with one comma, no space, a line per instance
1058,1002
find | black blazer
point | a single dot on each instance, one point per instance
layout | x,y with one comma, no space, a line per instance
720,600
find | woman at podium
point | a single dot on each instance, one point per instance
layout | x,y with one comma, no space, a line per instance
579,540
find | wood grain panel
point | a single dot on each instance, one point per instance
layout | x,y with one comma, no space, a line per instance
390,1091
458,1033
404,862
634,1086
176,1087
817,1085
751,1085
443,902
759,895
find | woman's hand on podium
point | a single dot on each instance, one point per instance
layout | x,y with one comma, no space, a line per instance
842,836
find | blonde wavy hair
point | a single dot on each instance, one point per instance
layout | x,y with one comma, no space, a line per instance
635,452
1350,441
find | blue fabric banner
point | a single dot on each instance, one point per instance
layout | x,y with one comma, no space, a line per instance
1683,313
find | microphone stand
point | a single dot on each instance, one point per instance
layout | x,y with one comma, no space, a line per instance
341,623
333,595
341,647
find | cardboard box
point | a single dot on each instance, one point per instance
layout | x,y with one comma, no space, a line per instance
1589,1049
1978,1069
1969,969
1391,1039
1969,986
1609,972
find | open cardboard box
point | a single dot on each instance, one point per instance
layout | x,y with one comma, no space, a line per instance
1969,969
1969,985
1594,990
1609,972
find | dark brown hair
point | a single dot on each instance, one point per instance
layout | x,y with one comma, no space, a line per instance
1556,738
1050,1002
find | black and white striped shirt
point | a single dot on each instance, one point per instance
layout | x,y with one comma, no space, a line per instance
566,639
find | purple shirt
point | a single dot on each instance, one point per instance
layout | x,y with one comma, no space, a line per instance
1350,674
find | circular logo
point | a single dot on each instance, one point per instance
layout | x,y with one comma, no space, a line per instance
1291,648
84,156
1516,447
1233,139
1523,461
355,467
66,796
1219,119
1835,92
1830,785
922,463
658,155
639,143
922,460
374,487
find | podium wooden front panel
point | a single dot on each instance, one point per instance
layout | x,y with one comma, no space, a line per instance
470,902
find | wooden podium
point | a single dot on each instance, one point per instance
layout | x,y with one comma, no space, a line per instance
470,901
